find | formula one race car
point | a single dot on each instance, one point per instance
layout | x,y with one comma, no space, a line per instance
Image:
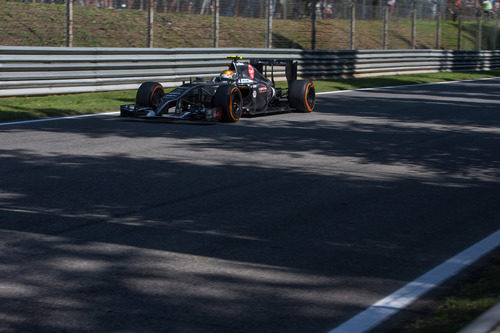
240,90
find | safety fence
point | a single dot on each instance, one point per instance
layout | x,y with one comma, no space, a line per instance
319,24
54,70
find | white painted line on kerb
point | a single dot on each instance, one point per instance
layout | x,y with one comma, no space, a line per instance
59,118
383,309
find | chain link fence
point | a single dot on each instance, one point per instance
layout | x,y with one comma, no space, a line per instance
320,24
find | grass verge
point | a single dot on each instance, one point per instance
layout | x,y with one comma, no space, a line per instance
26,108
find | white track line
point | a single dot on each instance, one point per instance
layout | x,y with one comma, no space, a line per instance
59,118
406,85
383,309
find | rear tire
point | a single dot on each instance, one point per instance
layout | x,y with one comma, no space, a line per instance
149,94
302,95
229,100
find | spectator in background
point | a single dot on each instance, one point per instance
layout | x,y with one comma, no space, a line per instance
230,7
329,11
180,5
434,7
324,9
172,6
487,8
91,3
456,9
107,4
297,10
161,6
204,6
392,5
319,14
250,8
277,9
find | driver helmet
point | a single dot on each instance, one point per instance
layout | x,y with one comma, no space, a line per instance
227,75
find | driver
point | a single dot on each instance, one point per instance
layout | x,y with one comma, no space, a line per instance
227,75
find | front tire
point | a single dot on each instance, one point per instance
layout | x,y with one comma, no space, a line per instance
229,100
302,95
149,94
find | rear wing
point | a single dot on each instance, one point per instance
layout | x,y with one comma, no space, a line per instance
290,67
259,64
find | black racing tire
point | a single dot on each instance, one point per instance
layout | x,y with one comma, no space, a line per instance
229,100
302,95
149,94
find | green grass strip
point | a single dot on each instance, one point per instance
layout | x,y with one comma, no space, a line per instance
37,107
25,108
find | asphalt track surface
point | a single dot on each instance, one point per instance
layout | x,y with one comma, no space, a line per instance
285,223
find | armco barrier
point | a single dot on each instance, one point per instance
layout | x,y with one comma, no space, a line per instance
56,70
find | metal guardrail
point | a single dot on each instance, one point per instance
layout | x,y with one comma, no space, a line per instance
58,70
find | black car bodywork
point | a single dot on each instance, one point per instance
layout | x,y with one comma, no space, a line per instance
247,93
